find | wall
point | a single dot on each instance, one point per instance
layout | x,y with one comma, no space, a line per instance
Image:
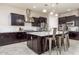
5,18
52,21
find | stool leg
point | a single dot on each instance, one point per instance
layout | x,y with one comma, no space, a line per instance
67,42
45,47
56,47
59,45
50,46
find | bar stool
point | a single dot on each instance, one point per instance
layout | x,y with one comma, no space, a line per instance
65,38
50,39
60,41
66,42
63,41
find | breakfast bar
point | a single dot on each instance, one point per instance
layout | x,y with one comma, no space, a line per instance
36,40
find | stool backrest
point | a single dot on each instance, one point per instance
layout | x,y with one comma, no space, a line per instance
54,32
64,29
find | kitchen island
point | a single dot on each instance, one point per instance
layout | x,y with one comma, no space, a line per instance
36,40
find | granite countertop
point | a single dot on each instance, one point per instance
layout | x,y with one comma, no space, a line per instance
73,31
44,33
34,31
11,31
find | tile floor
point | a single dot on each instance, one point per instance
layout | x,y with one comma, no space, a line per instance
22,49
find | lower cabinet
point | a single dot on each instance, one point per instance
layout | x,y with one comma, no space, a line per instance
29,42
74,35
21,35
35,44
13,37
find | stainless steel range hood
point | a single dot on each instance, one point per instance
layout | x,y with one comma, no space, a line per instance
28,15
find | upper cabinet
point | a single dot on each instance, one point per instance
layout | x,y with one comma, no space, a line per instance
37,21
77,21
62,20
17,19
69,19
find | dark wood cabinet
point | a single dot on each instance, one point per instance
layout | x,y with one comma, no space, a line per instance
29,42
35,43
74,35
13,37
17,19
38,20
21,35
63,20
77,21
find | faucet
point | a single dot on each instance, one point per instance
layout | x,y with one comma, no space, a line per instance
20,29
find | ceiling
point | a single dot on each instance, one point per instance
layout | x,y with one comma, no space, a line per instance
59,7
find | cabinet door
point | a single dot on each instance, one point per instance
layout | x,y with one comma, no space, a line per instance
21,35
70,18
34,43
77,21
67,19
37,44
29,42
22,19
5,39
36,22
17,19
2,39
14,18
62,20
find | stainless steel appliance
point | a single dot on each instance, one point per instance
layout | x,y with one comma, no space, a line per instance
71,23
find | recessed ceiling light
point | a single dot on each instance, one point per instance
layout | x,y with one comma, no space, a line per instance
53,10
46,5
53,5
56,14
68,9
34,6
44,10
51,13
